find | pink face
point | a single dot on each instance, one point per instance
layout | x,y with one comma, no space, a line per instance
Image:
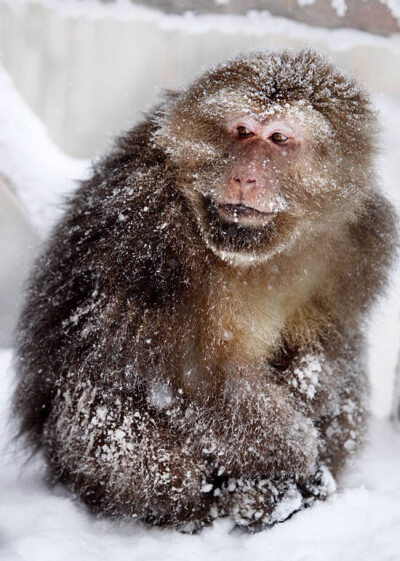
248,194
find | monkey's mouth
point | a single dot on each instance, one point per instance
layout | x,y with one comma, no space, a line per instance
242,214
239,228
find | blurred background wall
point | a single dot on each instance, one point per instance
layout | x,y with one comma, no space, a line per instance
89,68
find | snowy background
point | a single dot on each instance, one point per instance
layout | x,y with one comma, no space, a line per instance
72,74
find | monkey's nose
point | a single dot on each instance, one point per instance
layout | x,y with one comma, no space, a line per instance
239,189
243,181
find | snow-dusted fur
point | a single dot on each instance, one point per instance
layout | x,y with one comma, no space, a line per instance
174,368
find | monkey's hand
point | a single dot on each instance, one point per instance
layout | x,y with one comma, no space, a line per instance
256,430
259,503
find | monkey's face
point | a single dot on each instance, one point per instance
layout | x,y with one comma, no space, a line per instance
257,180
258,173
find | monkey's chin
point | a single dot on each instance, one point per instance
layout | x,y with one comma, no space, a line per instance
243,215
253,240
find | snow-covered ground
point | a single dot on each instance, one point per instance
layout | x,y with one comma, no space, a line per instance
361,522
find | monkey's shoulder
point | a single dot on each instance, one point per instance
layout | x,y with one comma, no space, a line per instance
376,229
368,254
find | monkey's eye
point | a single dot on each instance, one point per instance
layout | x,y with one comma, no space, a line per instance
278,137
244,132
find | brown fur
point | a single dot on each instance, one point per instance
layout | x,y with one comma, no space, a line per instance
173,368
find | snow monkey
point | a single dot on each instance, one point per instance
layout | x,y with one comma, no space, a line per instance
191,343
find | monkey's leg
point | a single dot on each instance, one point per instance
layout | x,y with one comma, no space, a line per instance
122,461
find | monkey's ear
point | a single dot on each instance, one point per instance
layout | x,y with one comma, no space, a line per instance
160,116
170,95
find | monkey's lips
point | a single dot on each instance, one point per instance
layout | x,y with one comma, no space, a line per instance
242,214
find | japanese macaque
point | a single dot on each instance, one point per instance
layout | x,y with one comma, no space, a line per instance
191,343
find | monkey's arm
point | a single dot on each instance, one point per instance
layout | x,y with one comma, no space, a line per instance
329,384
252,429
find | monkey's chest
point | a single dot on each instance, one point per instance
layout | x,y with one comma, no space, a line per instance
245,328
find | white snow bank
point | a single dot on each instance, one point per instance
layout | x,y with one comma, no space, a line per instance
360,522
36,168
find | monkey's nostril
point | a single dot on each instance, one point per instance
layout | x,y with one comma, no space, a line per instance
250,181
236,178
